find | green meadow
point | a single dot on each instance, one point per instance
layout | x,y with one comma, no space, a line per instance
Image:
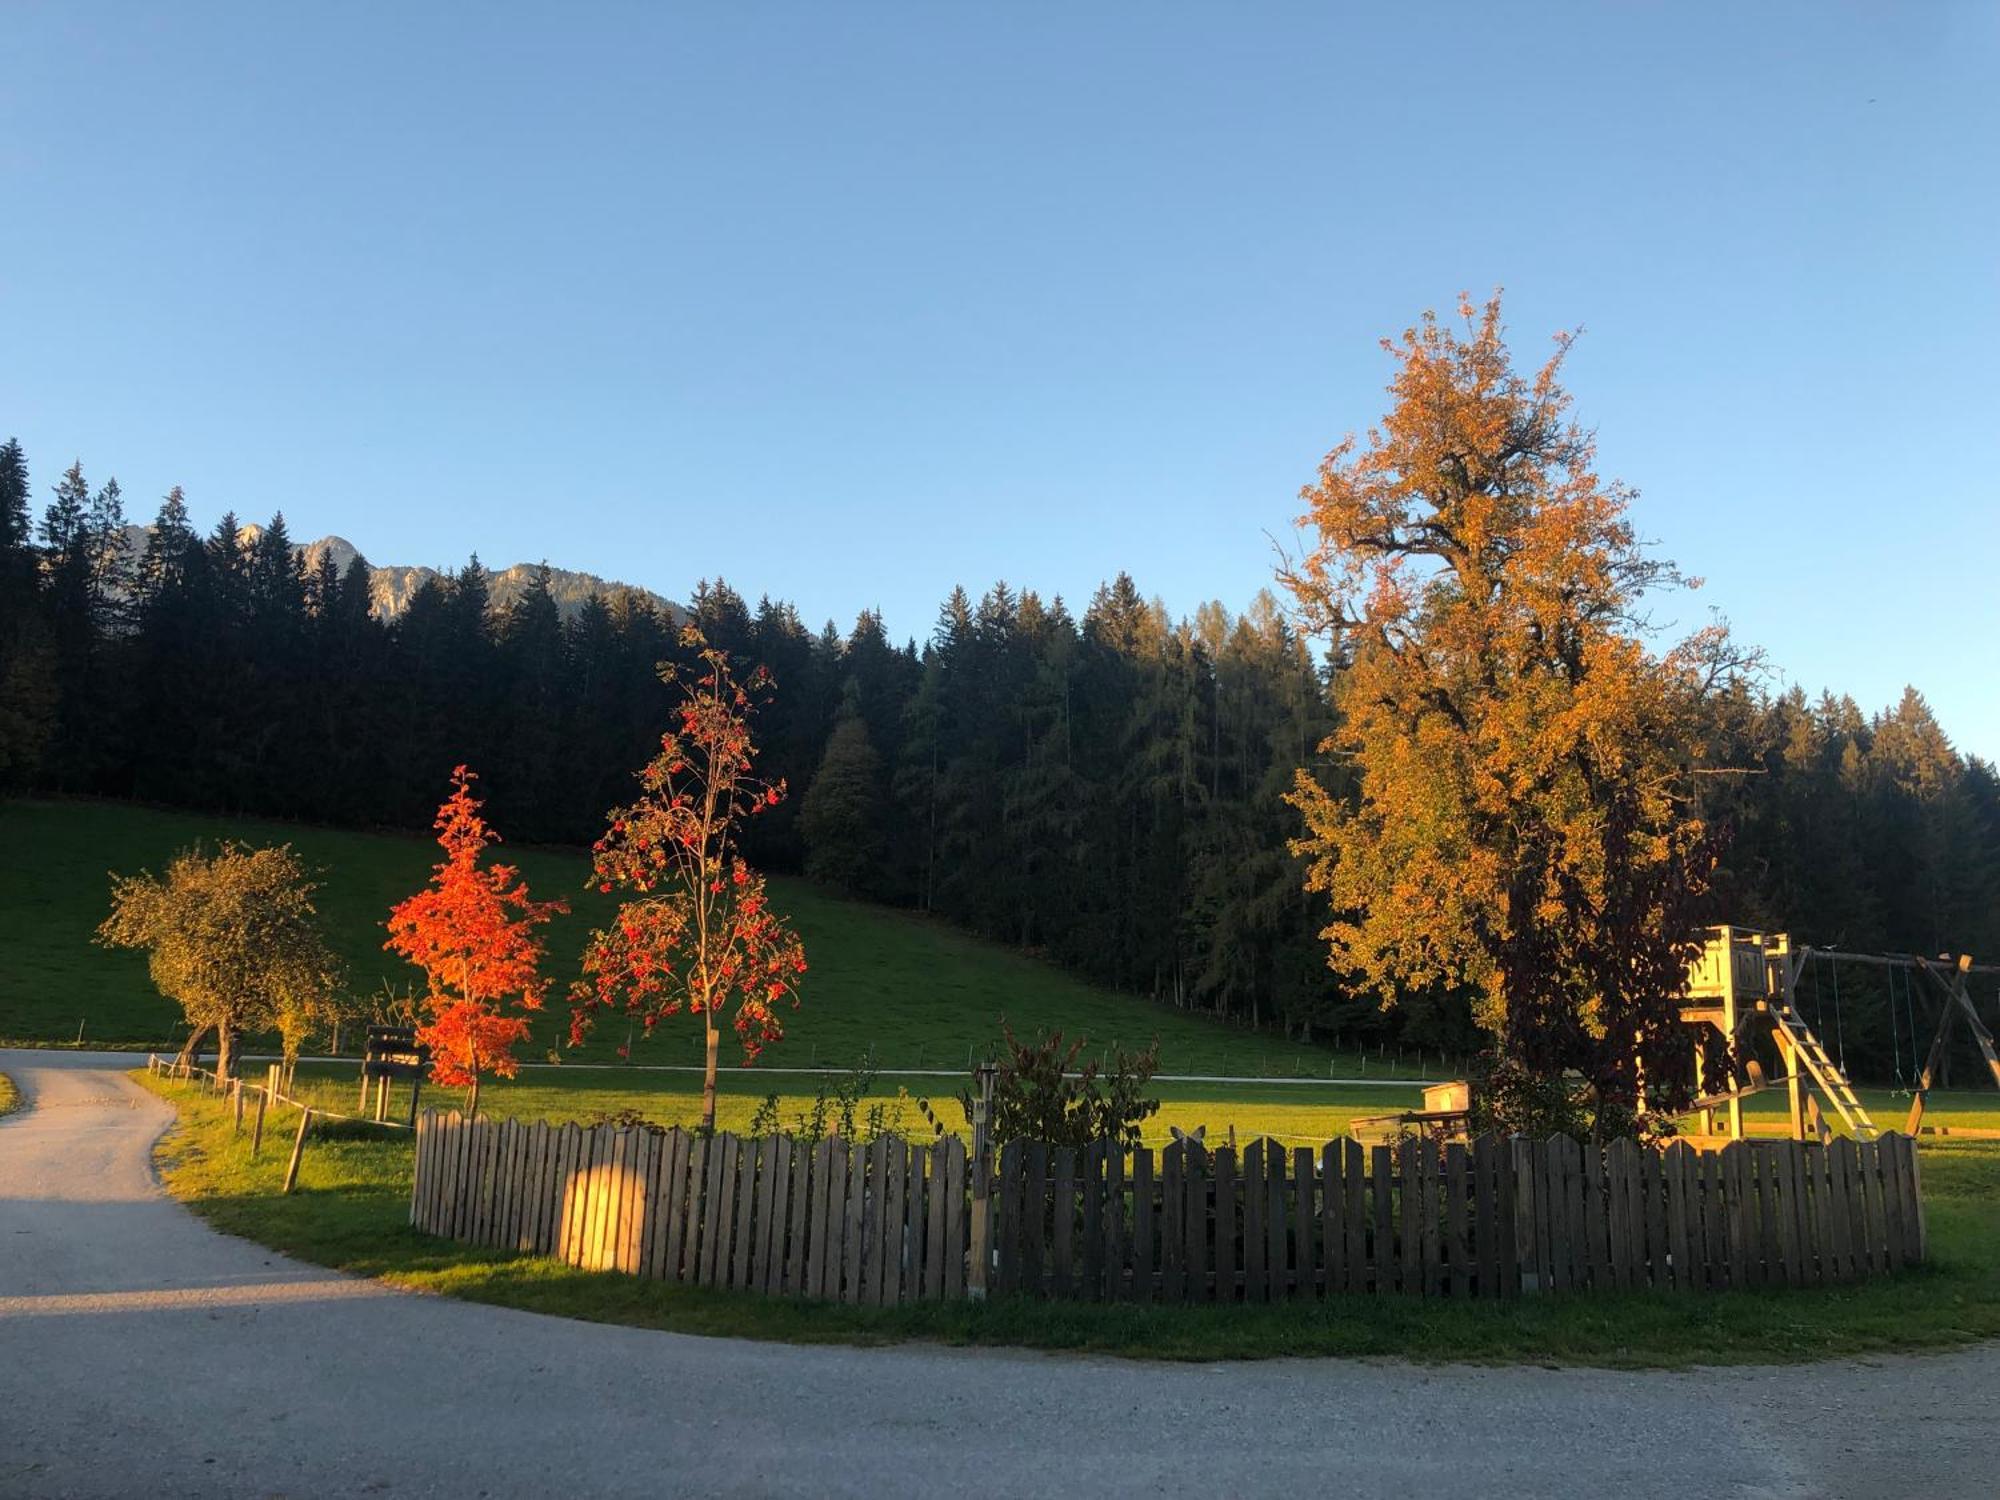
913,993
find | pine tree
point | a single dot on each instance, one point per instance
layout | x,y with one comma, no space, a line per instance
17,537
841,816
28,678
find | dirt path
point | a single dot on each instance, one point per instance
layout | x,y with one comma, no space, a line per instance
141,1352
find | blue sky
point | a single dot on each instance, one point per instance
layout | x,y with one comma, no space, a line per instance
850,303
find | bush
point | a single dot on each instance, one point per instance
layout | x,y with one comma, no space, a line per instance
1040,1094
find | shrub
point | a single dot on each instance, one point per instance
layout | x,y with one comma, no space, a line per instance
1041,1094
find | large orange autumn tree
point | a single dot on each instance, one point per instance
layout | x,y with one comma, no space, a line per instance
472,932
697,932
1527,823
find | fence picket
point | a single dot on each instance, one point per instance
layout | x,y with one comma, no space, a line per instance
956,1226
1092,1224
683,1170
743,1239
1457,1241
1226,1224
854,1244
1332,1219
763,1193
535,1189
1354,1181
1256,1284
1062,1222
773,1237
1303,1217
1507,1230
887,1217
934,1241
1277,1268
1382,1261
1411,1229
1172,1244
1113,1228
1142,1225
1010,1206
588,1146
1190,1226
916,1220
1035,1220
813,1283
672,1233
799,1215
1891,1158
1812,1178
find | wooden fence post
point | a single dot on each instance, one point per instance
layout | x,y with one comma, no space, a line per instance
257,1129
298,1150
980,1262
236,1093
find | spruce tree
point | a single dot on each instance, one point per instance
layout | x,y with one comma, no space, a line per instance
840,819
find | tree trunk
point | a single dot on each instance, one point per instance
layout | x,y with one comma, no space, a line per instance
472,1099
708,1082
225,1053
185,1059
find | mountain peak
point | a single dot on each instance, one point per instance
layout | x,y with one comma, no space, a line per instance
390,588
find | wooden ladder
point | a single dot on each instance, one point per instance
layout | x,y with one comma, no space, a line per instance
1823,1070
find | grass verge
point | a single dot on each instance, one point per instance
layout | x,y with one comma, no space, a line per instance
352,1207
10,1097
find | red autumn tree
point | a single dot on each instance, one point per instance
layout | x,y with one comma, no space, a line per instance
472,932
698,933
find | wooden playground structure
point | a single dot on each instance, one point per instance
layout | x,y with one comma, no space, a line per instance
1743,993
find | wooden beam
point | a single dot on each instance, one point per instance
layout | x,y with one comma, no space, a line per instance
1902,960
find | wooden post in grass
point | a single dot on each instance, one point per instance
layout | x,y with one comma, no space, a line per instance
982,1178
257,1129
236,1092
298,1151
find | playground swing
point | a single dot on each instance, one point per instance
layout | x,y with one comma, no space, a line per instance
1910,1017
1895,1035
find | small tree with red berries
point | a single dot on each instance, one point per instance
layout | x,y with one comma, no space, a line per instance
698,933
472,932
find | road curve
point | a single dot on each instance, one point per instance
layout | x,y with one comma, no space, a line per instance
143,1353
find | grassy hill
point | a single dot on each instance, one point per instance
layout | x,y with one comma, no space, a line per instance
918,993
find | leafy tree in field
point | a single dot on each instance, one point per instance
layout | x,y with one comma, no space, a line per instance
472,931
697,933
1525,824
234,939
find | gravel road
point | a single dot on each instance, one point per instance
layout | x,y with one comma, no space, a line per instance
143,1353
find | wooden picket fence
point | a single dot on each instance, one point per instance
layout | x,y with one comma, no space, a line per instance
890,1221
879,1224
1494,1217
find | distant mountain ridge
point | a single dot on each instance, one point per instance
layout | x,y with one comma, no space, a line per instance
390,588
